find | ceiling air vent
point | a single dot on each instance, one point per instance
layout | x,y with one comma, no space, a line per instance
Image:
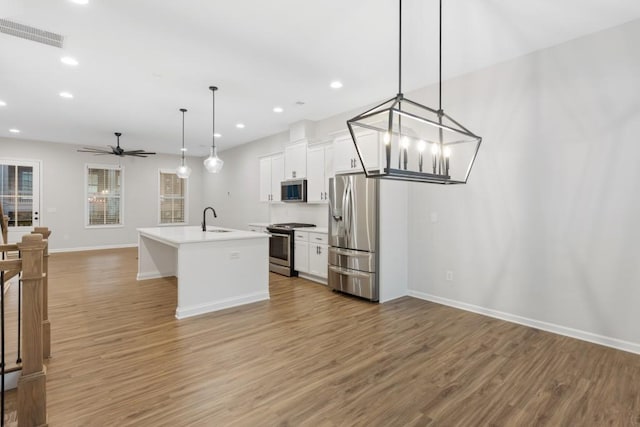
31,33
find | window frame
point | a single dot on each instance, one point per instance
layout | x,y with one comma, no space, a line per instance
88,166
37,206
185,198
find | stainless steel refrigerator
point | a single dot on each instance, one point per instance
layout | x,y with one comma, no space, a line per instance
353,235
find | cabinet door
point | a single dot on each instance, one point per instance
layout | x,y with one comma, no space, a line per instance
277,176
318,260
344,154
316,187
295,161
265,179
328,169
301,256
346,158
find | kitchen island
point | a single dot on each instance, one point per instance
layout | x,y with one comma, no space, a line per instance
216,269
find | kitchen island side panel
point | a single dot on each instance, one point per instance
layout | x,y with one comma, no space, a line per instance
217,275
155,259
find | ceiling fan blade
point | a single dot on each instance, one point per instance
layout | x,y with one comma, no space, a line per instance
93,150
137,152
135,155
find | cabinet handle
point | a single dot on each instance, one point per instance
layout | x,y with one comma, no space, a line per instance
325,195
319,250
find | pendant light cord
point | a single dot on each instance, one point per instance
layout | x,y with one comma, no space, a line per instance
183,111
213,116
400,49
440,61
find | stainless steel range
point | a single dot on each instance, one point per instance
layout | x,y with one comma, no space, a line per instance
281,247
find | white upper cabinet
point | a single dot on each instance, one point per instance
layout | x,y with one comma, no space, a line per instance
271,175
295,161
277,176
319,170
345,155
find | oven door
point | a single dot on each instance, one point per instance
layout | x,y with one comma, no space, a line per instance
280,249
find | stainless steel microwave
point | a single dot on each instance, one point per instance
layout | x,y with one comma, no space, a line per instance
294,190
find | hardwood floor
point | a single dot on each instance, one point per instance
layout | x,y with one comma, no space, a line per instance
310,357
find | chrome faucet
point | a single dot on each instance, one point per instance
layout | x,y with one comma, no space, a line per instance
204,217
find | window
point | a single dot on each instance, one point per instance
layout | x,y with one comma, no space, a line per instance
104,195
19,192
173,199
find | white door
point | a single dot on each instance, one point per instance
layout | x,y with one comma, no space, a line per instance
20,195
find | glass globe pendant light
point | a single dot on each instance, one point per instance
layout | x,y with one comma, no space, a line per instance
183,171
213,163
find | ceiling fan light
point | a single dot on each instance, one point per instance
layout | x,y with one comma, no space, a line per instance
213,163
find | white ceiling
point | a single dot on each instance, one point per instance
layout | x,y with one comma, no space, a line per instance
142,60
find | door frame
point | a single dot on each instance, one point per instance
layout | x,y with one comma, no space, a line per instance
15,233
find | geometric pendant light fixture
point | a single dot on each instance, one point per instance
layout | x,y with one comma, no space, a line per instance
213,163
403,140
183,171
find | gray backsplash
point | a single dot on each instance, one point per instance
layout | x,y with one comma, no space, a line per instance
310,213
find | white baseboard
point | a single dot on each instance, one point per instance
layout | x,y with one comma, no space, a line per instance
147,276
93,248
195,310
11,380
537,324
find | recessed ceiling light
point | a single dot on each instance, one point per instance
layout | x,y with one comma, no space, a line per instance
277,109
217,135
183,149
80,1
336,84
68,60
240,125
66,95
14,130
2,103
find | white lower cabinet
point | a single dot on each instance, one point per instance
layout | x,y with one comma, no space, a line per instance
301,256
311,255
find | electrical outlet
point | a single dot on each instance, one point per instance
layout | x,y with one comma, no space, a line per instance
449,276
434,217
234,255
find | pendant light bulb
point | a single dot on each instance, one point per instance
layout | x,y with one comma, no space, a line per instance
213,163
183,171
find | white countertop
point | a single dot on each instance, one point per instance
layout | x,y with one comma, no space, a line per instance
324,230
194,234
260,224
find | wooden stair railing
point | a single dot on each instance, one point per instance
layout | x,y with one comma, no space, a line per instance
31,395
46,324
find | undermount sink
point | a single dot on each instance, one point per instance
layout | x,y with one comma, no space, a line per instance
218,231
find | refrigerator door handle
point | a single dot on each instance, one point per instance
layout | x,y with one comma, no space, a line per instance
348,209
351,273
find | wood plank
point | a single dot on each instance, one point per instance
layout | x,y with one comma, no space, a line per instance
310,357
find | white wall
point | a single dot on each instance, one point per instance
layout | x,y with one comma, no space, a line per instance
546,230
63,189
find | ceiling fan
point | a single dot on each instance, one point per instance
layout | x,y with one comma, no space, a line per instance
116,151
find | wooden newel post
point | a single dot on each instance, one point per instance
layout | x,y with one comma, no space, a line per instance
32,403
46,325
